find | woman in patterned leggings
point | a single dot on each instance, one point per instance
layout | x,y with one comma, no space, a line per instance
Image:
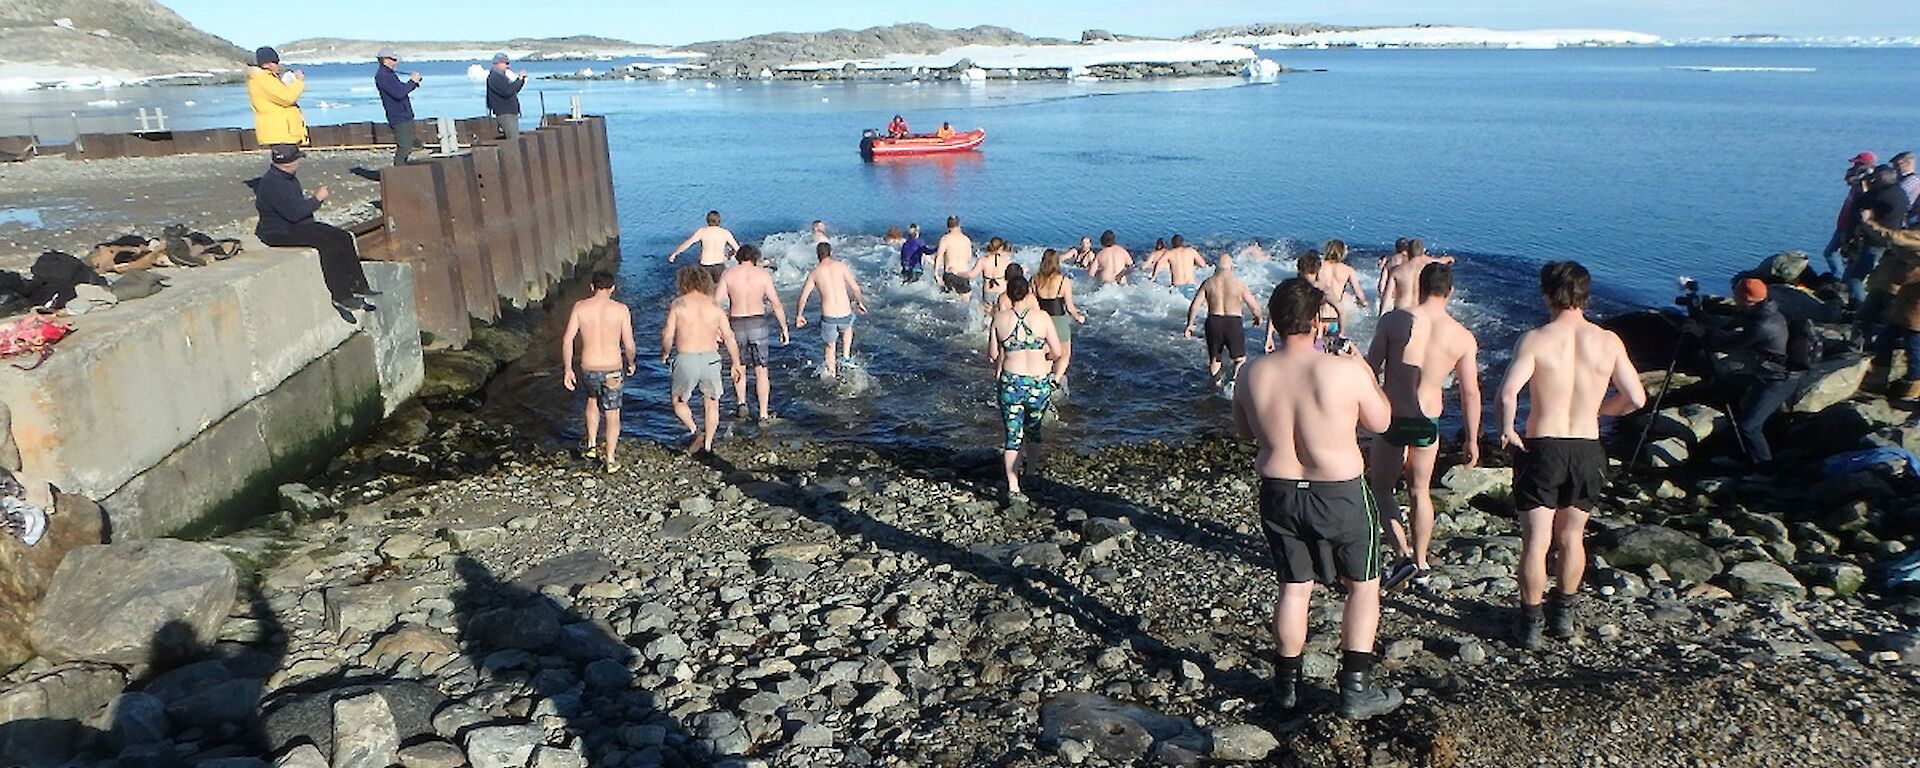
1026,356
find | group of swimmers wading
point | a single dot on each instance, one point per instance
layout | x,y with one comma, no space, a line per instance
1327,507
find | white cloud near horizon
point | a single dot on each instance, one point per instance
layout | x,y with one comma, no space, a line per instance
674,23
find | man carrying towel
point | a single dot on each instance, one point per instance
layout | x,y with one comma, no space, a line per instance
397,98
503,96
286,221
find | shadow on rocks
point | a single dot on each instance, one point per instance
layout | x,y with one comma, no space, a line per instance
555,689
1043,588
190,704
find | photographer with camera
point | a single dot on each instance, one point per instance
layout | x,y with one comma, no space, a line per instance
1858,171
1755,346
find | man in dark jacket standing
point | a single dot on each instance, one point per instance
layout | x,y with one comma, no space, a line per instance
286,221
397,97
503,96
1756,345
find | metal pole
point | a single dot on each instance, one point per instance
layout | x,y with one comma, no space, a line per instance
76,132
449,136
576,108
160,117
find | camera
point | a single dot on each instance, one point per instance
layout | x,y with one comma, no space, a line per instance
1339,345
1691,298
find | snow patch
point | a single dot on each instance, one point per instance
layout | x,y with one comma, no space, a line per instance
1450,37
1052,56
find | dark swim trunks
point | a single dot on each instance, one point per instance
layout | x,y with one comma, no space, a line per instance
953,283
1413,432
603,387
715,271
1559,473
754,334
1321,531
1226,333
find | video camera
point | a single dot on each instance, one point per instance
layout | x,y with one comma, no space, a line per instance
1691,299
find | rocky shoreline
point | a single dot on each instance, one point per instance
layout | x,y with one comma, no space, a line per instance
794,604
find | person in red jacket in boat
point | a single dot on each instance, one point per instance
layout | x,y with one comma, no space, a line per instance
898,128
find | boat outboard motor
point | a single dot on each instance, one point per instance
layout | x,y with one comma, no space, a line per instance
866,143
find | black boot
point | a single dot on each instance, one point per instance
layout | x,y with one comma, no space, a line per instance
1361,699
1560,615
1287,683
1532,626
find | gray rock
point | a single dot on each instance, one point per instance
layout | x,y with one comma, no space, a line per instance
1243,743
1668,453
504,746
1682,556
797,551
723,730
223,703
472,537
1694,423
1114,730
569,571
882,700
810,736
432,754
1843,578
134,719
303,756
1763,580
1828,384
166,599
305,504
556,757
1102,529
364,734
607,675
696,505
1043,555
294,718
683,526
376,607
1012,622
1473,482
59,700
530,628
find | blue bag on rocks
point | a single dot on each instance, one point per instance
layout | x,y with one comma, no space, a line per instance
1861,461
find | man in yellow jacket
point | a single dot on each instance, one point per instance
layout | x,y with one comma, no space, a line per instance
276,104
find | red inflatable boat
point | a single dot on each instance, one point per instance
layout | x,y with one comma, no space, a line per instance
873,145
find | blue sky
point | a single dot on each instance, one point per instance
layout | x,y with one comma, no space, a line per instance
654,21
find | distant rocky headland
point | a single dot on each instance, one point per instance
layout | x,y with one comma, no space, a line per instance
328,50
103,42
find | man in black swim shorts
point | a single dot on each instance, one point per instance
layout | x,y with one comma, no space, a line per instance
1223,294
1560,467
1314,506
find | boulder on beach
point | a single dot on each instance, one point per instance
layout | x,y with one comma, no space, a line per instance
1829,384
1683,557
27,572
1114,730
135,603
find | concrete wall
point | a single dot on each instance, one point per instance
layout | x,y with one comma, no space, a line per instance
176,407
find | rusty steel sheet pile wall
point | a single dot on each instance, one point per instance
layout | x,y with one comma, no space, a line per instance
499,224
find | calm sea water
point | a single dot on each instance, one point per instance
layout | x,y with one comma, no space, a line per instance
1634,161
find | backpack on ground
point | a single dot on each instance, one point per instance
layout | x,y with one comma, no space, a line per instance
55,274
1805,348
1785,268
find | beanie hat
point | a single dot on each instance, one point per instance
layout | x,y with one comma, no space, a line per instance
266,56
1752,291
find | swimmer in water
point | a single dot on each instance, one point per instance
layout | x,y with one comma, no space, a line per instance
992,271
716,246
1224,294
1403,282
1113,264
1152,263
1054,292
954,258
819,231
1388,263
1254,252
1082,255
839,299
1339,280
1181,261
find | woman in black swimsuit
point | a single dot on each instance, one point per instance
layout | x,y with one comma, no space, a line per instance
1055,294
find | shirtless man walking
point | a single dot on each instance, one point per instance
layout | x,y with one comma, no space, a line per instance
953,259
1416,348
747,290
1386,267
1181,261
692,336
1302,407
716,244
1560,466
1112,263
1402,288
839,298
1223,294
604,328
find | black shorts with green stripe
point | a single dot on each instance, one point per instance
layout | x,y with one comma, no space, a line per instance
1321,531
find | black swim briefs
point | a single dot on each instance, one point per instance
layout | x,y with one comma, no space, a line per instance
715,271
1558,473
1226,333
1321,531
1413,432
955,284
